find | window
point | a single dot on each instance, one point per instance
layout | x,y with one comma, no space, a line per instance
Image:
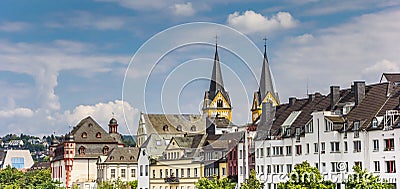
315,147
182,173
339,166
308,148
374,123
219,103
335,147
298,149
376,145
309,127
84,135
123,173
133,172
193,128
346,148
240,154
160,173
98,135
277,151
154,173
179,128
322,147
240,170
328,125
389,144
165,128
141,170
298,130
195,172
287,131
390,167
262,152
289,168
358,163
105,150
81,150
377,166
357,146
356,129
188,172
268,169
17,162
112,173
288,150
268,149
121,158
158,142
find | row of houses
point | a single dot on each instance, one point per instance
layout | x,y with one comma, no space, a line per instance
347,127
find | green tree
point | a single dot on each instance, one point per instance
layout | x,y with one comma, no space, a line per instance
363,179
215,183
252,182
304,176
132,184
117,184
11,178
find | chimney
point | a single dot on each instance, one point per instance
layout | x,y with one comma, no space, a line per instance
311,97
359,91
292,100
335,95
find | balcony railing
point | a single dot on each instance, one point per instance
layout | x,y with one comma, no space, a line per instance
171,180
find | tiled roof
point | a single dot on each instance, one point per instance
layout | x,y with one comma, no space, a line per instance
174,123
123,155
92,130
393,77
40,165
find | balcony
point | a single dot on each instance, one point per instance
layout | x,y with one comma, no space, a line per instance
171,180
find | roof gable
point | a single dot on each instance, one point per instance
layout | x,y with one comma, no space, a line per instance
88,130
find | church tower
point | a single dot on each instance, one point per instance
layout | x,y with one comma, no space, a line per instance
266,92
216,101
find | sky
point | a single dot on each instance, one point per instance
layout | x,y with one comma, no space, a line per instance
61,61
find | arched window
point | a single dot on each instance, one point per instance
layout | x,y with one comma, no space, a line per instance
84,135
105,150
98,135
82,150
374,123
193,128
112,157
121,158
179,128
165,128
132,158
219,103
90,125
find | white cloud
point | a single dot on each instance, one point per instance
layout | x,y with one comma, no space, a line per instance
18,112
381,67
13,26
102,113
360,49
86,20
252,22
183,9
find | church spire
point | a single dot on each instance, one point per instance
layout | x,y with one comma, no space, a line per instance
266,78
216,78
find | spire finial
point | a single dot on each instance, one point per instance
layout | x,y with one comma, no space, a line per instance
216,39
265,43
113,115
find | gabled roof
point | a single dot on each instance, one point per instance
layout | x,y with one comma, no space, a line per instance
173,123
91,128
392,77
123,155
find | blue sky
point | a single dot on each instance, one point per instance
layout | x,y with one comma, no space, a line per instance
61,61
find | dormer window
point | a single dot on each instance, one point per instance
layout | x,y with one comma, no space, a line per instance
84,135
374,123
98,135
287,131
179,128
105,150
193,128
121,158
82,150
165,128
356,129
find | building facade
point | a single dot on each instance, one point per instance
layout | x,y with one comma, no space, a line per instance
348,127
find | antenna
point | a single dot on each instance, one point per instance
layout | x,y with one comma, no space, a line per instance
307,87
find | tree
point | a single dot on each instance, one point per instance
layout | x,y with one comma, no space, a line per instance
117,184
306,176
215,183
363,179
252,182
11,178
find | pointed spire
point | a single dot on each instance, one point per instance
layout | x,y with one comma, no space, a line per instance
266,78
216,78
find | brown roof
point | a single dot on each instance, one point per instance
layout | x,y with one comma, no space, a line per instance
92,130
175,123
393,77
40,165
123,155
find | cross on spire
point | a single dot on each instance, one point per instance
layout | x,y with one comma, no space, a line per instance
265,43
216,39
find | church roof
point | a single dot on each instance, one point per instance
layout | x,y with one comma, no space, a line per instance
217,83
266,84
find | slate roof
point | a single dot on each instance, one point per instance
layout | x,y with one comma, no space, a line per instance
40,165
176,123
91,128
123,155
217,83
393,77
